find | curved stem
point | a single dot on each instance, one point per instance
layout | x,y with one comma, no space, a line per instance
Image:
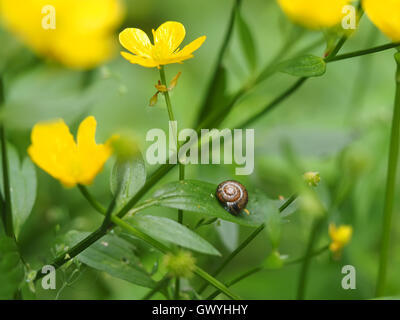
272,105
260,268
244,244
93,202
214,282
93,237
364,52
390,186
8,219
307,259
160,285
204,109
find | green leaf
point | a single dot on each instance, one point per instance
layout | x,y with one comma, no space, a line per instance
304,66
11,268
23,187
127,176
228,233
247,41
274,260
114,256
274,228
168,230
198,196
218,96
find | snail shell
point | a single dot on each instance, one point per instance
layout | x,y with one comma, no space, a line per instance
233,196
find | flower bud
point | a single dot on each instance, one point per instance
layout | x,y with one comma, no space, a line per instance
180,264
312,178
125,147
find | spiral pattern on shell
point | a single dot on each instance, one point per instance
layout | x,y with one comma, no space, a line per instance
233,196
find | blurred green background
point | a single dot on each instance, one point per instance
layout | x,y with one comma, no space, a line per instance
337,124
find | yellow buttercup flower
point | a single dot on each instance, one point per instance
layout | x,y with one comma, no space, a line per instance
55,151
340,236
76,33
314,14
165,50
385,15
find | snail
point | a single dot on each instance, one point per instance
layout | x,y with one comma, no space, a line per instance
233,196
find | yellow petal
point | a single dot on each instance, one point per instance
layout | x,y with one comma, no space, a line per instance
136,41
169,36
314,14
92,156
192,47
149,63
53,149
386,16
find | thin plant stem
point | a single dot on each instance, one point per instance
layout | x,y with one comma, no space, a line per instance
390,187
364,52
164,169
204,109
181,166
8,219
214,282
244,244
115,220
260,268
89,240
317,224
177,288
159,286
96,205
272,105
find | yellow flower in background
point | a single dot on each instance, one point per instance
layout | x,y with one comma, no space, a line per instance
340,236
314,14
80,36
385,15
55,151
165,50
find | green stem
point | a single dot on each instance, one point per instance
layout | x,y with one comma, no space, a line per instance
272,105
93,202
8,219
260,268
306,262
390,187
244,244
177,288
89,240
167,97
156,176
214,282
363,52
160,285
137,233
204,110
181,166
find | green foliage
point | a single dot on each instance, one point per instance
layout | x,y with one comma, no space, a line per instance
23,187
168,230
11,268
127,177
247,41
303,66
114,256
199,197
